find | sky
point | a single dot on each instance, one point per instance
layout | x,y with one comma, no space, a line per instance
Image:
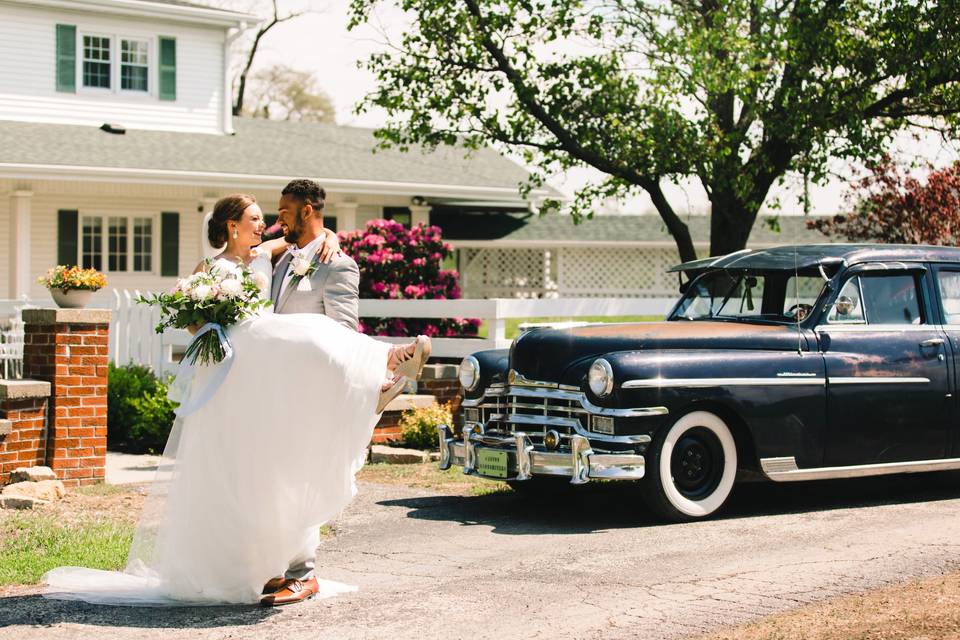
320,42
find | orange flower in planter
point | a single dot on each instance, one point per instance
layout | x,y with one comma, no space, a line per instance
69,278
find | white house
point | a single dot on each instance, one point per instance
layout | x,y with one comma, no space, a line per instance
116,137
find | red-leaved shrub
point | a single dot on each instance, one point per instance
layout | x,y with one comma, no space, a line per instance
400,263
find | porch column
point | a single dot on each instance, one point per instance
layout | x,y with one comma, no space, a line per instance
346,213
419,214
20,243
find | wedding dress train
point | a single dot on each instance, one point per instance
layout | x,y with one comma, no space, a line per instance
248,478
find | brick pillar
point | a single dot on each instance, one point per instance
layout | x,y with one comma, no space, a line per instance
68,349
23,412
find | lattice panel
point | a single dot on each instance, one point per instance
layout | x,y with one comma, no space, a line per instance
507,273
616,272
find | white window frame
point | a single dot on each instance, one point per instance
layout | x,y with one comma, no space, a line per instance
105,241
115,64
80,61
149,65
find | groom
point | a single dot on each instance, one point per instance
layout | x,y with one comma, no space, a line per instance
304,283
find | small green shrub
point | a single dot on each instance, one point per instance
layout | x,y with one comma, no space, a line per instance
139,415
419,426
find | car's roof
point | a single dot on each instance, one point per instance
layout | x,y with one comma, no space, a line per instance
811,255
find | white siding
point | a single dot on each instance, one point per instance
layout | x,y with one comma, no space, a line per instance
28,67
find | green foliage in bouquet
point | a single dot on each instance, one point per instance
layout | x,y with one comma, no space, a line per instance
217,295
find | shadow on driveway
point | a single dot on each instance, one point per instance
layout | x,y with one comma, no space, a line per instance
36,611
612,505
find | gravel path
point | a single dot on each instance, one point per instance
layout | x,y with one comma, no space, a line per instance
587,565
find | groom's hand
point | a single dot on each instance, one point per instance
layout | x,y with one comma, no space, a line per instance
329,248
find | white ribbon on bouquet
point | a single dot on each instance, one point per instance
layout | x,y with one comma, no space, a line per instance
182,390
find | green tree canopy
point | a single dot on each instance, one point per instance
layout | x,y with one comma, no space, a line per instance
732,93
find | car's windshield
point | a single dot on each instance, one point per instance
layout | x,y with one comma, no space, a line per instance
763,296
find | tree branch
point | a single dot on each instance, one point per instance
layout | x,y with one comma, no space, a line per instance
242,86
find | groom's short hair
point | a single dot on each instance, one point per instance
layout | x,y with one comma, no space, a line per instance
306,191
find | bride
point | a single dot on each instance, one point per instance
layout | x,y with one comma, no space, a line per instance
250,474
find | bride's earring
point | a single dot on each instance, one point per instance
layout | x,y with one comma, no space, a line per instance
235,236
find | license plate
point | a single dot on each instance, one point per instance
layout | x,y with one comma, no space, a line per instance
491,462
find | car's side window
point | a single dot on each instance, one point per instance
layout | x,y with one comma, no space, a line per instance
848,307
881,299
949,283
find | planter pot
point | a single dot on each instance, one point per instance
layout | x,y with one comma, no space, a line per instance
72,298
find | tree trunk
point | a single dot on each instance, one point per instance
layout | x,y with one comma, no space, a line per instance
731,221
678,229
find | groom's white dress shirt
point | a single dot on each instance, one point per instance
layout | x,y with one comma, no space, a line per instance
308,251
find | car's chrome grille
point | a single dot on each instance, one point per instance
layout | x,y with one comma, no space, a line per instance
531,410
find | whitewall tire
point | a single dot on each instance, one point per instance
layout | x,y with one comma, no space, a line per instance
691,468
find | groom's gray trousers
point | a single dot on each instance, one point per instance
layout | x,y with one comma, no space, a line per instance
335,292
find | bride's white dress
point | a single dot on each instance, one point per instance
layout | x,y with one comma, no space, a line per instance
249,477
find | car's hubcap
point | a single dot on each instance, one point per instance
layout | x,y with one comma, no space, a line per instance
697,463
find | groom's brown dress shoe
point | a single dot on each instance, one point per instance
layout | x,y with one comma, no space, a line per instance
273,584
292,591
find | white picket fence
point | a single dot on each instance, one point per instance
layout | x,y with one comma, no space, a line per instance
133,338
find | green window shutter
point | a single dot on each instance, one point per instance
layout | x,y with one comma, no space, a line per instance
67,58
169,243
67,232
168,68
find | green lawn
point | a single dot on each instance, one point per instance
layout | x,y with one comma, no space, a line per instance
513,324
32,543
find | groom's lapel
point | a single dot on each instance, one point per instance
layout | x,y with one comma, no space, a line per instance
315,260
278,275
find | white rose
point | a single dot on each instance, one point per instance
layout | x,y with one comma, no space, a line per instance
231,288
201,292
261,280
300,266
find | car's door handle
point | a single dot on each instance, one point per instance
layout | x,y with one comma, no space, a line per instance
932,342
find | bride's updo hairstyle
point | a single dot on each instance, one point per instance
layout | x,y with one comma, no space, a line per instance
227,208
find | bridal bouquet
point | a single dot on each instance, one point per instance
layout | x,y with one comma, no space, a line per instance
216,298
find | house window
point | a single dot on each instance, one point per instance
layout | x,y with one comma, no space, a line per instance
398,214
96,62
129,246
92,243
134,65
142,244
117,244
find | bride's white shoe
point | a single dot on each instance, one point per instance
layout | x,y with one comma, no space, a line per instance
389,393
411,364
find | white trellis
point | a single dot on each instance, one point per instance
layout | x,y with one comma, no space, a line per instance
567,272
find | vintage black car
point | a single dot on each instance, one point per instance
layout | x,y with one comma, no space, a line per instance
791,363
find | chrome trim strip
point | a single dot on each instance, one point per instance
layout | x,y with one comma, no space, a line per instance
876,380
614,466
778,465
662,383
874,328
858,471
558,394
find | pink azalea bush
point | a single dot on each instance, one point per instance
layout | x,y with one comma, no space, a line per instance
403,264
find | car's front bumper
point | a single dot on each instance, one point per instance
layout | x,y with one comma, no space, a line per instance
524,461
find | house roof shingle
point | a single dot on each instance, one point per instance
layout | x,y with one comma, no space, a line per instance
259,147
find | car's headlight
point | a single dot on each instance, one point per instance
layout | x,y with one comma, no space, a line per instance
600,378
469,373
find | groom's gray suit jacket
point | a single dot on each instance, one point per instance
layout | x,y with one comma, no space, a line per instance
335,291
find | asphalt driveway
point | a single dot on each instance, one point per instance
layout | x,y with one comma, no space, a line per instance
592,564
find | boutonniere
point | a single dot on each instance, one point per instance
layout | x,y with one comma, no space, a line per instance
302,269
